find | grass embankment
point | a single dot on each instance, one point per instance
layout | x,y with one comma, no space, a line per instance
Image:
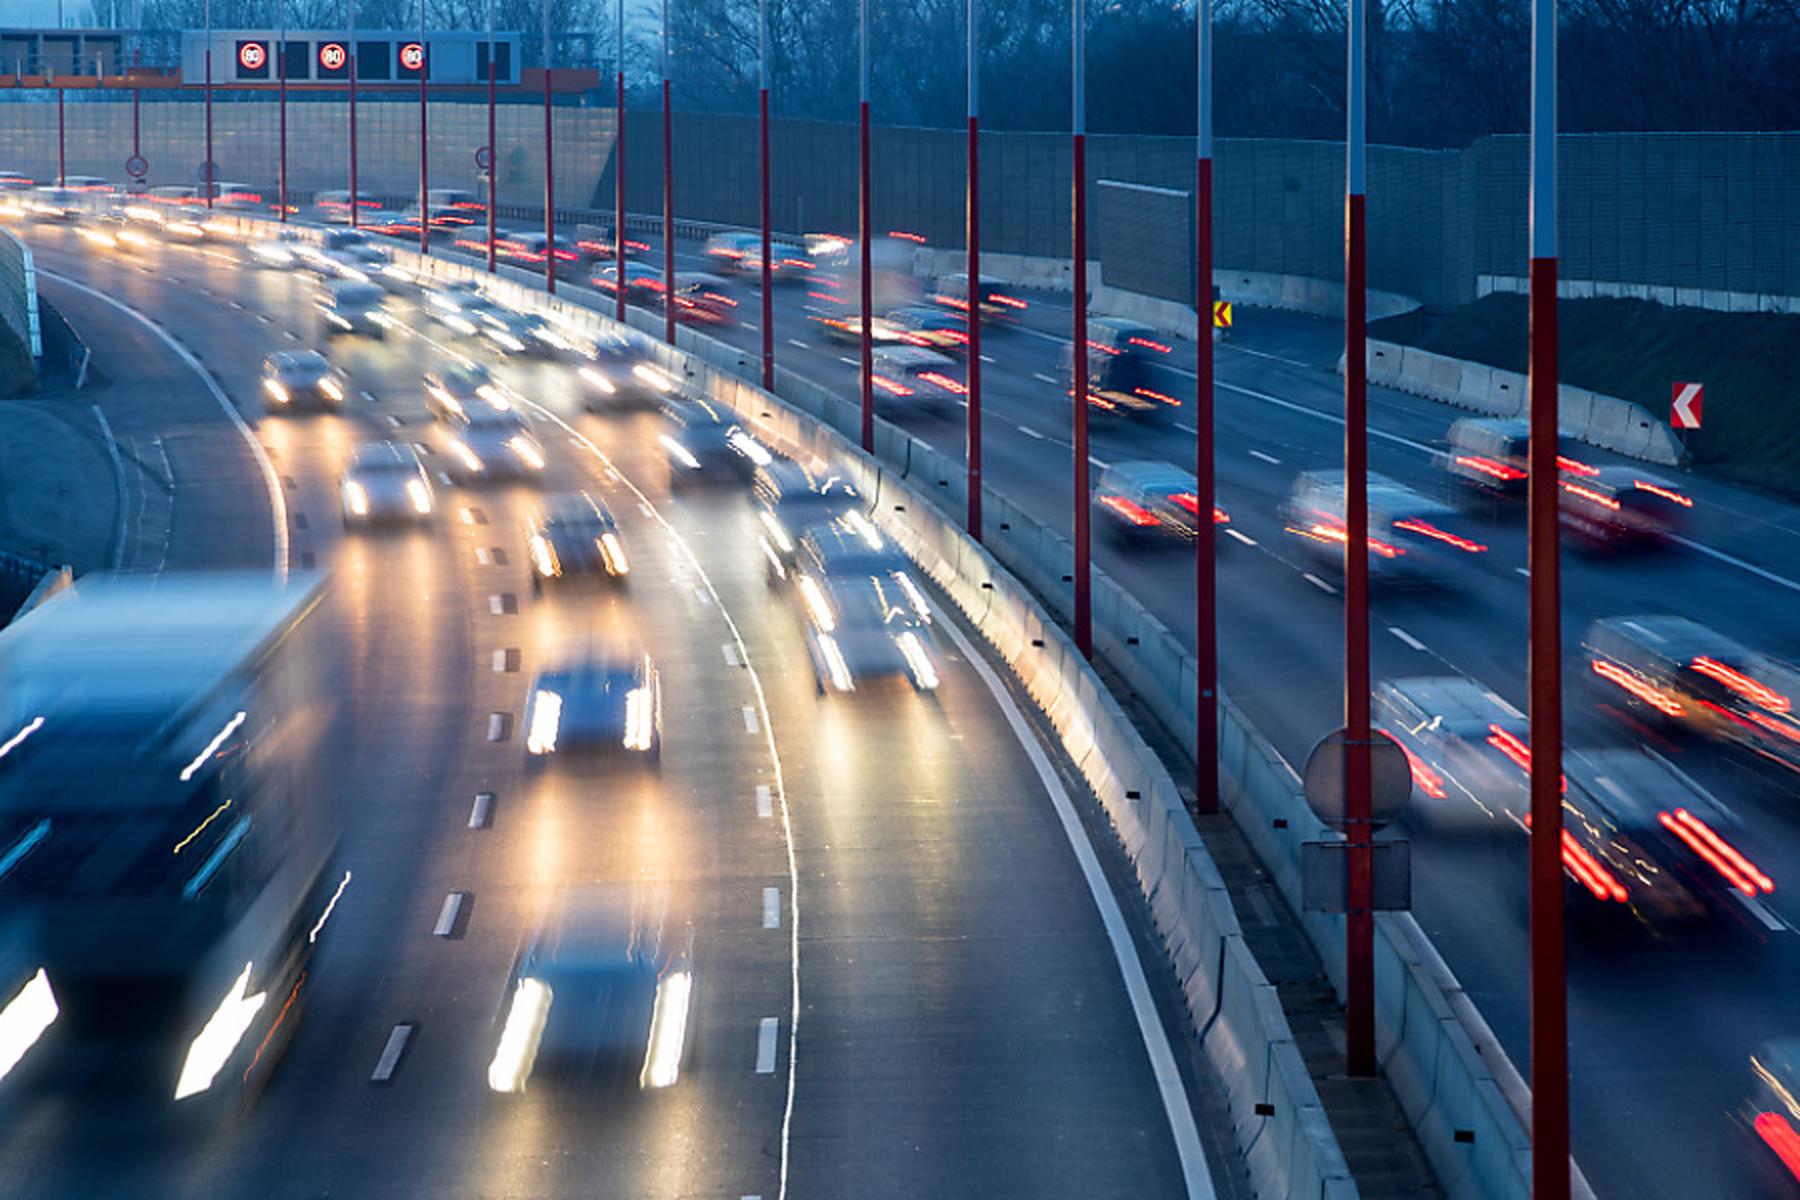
1634,349
17,375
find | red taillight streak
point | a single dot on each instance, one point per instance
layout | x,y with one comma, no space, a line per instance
1429,781
889,386
1668,494
1101,347
1720,854
1330,533
1637,687
1007,301
1778,1135
1147,344
1508,743
1784,729
906,236
1427,529
1597,497
1588,871
1147,394
1488,466
945,382
1576,467
1742,684
951,301
1137,514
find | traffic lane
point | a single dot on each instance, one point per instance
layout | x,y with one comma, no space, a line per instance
927,870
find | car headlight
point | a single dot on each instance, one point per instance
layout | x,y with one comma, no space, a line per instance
24,1019
836,668
468,457
679,452
277,393
357,497
924,673
817,604
668,1031
614,552
331,389
598,380
654,377
914,596
749,447
496,397
783,542
220,1035
519,1039
546,721
419,494
543,557
640,718
506,340
527,451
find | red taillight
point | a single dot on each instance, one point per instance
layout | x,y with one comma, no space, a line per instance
1779,1135
1780,728
1669,494
1509,744
890,386
906,236
566,255
1137,514
1599,498
1007,301
1575,467
1147,344
1429,781
1652,696
1147,394
1427,529
1720,854
950,301
945,382
1743,685
1487,466
1331,533
1589,872
1101,347
726,253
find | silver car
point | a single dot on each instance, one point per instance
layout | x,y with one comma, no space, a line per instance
385,481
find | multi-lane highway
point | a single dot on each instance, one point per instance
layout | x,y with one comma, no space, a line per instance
1660,1033
904,983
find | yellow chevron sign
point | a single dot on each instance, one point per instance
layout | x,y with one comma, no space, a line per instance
1221,314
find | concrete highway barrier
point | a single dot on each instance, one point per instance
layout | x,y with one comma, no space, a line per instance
18,293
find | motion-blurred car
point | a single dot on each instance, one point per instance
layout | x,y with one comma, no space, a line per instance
488,443
385,481
524,334
1125,362
13,181
741,254
994,300
282,253
602,994
235,197
54,204
349,306
1674,674
704,444
113,230
845,326
617,372
529,250
1468,749
643,282
933,328
454,387
296,379
1489,458
789,497
597,244
575,535
1771,1113
702,299
1138,501
602,702
850,547
334,206
909,378
727,250
1411,539
864,628
1620,508
458,306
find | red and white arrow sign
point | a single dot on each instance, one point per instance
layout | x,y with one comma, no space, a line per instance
1684,405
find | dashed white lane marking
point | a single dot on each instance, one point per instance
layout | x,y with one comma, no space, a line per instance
1186,428
389,1061
848,361
446,922
1029,432
1242,537
392,420
771,908
1319,583
467,515
1043,378
729,653
499,662
1101,463
265,318
765,1045
482,556
765,802
367,396
481,814
797,344
750,722
1268,458
1406,637
987,358
1757,909
496,605
1525,571
290,335
496,726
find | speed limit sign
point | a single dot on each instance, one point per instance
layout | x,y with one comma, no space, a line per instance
484,158
333,56
137,166
253,56
412,56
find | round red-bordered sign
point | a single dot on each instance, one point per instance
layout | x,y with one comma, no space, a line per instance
333,56
412,56
252,56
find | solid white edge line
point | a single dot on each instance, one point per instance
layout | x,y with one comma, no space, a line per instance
780,790
277,499
1740,564
118,463
1194,1167
1406,637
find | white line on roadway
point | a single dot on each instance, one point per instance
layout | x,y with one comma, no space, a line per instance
729,653
118,463
499,661
1242,537
277,500
750,725
1740,564
771,908
987,358
705,600
481,815
467,514
1029,432
496,605
446,922
1268,458
765,1046
390,1054
848,361
797,344
1043,378
484,558
1318,583
1174,1095
1525,571
1406,637
496,726
1189,429
764,802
